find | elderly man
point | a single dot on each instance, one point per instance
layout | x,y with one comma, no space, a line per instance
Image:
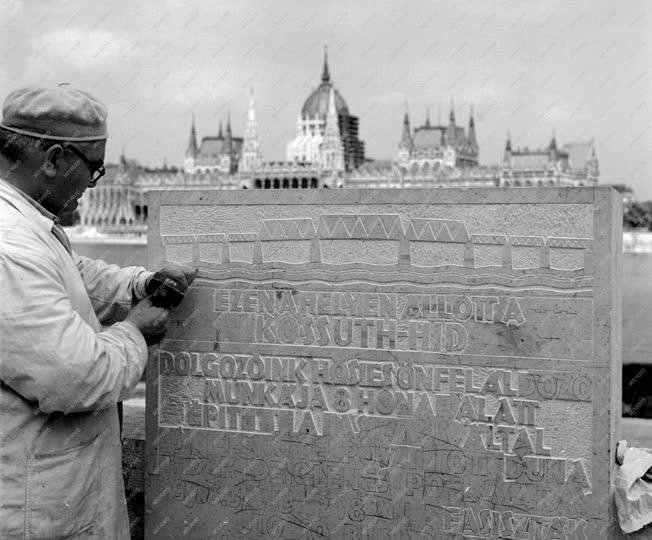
73,331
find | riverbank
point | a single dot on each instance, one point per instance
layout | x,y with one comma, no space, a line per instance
637,242
93,236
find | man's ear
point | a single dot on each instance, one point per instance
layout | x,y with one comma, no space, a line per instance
52,154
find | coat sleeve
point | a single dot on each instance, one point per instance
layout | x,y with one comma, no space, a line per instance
49,353
111,289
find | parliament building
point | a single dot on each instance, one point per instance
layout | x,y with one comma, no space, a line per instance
323,125
215,153
327,152
573,164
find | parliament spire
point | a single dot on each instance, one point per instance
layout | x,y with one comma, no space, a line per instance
325,74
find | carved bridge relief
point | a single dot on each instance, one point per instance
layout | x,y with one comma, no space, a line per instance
344,239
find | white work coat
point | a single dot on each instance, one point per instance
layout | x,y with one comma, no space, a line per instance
62,371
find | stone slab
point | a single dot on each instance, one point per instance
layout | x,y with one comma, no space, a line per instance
387,364
133,472
133,459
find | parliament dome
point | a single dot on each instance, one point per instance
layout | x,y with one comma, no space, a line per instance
317,101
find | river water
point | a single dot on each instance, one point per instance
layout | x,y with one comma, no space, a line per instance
637,305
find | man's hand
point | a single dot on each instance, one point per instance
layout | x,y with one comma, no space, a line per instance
151,321
181,273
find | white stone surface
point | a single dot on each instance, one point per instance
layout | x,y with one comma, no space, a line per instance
382,379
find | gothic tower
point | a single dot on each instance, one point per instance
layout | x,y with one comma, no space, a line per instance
473,141
229,161
191,150
251,157
332,150
552,149
405,145
507,159
451,132
229,134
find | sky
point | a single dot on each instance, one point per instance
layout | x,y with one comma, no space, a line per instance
578,69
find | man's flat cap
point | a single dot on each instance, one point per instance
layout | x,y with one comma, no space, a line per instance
61,114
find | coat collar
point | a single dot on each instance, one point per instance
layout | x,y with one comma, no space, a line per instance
12,194
34,212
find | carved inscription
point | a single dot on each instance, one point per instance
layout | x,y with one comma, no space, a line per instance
371,373
432,323
488,523
252,394
465,429
447,430
367,320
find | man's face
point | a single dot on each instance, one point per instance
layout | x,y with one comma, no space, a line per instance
73,176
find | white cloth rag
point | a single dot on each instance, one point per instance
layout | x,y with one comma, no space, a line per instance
633,492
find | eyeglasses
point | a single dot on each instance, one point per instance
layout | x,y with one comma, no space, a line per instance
97,171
